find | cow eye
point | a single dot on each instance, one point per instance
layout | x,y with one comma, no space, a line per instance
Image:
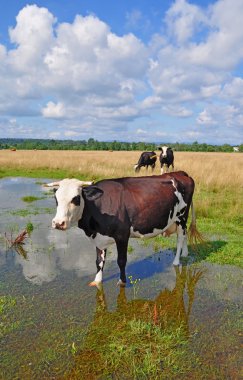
76,200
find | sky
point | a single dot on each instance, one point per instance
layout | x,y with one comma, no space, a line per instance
134,70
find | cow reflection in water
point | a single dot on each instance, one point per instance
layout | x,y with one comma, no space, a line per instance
168,311
168,308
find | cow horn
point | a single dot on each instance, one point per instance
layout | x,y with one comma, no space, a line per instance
52,184
85,183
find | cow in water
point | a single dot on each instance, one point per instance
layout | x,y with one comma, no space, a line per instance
113,210
146,159
166,158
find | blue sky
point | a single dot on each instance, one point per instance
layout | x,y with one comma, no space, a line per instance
157,70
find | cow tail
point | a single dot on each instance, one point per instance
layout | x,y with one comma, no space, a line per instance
195,237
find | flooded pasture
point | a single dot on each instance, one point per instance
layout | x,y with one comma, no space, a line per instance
168,323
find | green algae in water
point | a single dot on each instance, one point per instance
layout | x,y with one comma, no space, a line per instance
31,198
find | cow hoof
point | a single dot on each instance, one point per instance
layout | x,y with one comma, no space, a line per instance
184,254
121,283
176,262
97,284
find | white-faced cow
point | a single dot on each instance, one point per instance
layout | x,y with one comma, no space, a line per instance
146,159
166,158
112,210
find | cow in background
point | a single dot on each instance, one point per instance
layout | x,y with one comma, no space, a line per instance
166,158
146,159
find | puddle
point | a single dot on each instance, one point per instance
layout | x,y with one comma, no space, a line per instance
168,323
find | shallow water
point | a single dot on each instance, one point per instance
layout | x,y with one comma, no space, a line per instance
45,332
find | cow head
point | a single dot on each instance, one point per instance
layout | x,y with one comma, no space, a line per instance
163,150
70,202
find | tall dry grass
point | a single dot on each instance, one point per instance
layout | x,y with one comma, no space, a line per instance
214,170
218,176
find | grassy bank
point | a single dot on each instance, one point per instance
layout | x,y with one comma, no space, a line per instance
218,194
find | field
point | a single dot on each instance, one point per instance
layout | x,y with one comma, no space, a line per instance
182,322
218,194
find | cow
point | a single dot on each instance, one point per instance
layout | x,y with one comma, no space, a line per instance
113,210
166,158
146,159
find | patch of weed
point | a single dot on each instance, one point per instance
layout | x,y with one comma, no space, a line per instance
7,325
31,198
29,227
33,211
130,249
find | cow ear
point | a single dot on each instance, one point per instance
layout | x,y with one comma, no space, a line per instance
92,193
159,148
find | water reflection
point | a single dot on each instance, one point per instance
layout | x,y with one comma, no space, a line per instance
169,307
46,255
132,323
47,252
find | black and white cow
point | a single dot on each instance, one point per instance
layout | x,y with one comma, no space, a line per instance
113,210
166,158
146,159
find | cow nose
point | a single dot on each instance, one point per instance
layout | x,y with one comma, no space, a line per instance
59,226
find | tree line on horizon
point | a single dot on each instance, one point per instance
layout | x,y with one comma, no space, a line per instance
92,144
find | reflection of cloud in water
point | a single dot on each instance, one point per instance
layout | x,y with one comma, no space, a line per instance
51,251
39,267
74,250
2,258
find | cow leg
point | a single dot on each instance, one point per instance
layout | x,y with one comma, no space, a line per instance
122,260
100,262
164,169
180,241
185,247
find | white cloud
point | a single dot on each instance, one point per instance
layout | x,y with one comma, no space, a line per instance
53,110
205,118
182,19
233,90
71,133
223,116
177,111
107,82
32,35
140,131
223,48
72,62
54,135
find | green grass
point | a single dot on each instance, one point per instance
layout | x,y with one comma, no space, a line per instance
29,227
7,324
131,345
35,211
41,173
31,198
